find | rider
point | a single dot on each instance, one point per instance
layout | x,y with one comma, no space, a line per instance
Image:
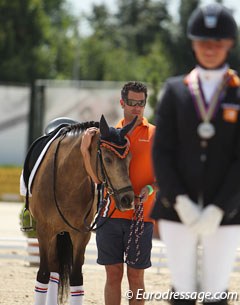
196,157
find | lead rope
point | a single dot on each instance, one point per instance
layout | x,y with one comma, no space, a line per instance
136,229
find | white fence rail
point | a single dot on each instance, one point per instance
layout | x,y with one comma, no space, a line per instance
27,250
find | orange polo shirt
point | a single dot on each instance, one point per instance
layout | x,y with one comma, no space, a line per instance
141,168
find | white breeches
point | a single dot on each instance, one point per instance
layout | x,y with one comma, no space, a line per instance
215,262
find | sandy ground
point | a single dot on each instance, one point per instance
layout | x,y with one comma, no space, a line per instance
17,283
17,278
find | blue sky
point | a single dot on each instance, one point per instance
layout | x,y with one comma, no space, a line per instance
84,6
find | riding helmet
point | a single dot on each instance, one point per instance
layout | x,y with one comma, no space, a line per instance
213,21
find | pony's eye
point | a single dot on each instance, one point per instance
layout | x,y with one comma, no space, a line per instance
108,160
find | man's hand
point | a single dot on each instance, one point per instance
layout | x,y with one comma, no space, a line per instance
188,211
87,139
147,191
144,193
209,221
84,147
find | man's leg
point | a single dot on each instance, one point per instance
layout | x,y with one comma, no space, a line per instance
136,283
112,292
109,239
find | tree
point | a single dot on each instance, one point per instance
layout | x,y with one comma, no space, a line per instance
140,22
30,44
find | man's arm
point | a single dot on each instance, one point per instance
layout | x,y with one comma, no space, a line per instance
85,145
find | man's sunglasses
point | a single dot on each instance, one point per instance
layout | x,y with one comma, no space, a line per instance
134,103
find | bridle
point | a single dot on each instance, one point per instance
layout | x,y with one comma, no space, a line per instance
106,189
110,190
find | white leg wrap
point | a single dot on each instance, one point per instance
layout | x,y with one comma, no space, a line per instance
52,295
77,293
40,294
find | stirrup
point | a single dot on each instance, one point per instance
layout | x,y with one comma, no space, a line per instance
26,228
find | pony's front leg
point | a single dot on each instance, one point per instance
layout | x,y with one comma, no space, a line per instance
76,277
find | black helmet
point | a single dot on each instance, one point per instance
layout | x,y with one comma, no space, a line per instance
63,121
213,21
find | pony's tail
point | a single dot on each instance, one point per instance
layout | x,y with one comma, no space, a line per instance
65,259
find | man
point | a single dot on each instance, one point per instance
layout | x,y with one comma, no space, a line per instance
196,155
116,239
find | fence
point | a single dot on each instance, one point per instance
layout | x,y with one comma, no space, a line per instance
26,250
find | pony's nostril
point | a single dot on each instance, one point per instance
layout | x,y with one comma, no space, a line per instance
126,202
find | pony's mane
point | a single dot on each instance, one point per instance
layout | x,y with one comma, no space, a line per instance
80,127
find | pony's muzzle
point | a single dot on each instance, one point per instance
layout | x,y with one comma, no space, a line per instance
126,203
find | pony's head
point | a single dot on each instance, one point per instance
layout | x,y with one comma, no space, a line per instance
115,159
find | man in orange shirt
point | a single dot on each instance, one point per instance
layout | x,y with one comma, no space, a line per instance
127,236
114,242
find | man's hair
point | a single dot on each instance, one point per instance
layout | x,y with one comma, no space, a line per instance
133,86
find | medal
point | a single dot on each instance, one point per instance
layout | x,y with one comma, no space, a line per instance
206,130
205,111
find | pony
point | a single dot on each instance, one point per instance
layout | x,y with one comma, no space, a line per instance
63,203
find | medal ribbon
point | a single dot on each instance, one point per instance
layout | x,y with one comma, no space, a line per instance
206,112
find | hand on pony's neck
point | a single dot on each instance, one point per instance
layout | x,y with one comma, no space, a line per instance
84,148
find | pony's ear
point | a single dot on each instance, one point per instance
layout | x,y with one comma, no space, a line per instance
128,127
104,128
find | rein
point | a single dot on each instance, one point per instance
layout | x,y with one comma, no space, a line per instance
136,230
101,201
54,190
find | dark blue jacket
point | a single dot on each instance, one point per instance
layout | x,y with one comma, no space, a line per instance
185,164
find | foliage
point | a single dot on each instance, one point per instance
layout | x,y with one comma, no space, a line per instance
32,35
140,40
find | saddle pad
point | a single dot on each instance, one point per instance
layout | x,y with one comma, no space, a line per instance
34,158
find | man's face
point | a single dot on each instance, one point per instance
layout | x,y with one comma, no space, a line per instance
131,111
211,53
